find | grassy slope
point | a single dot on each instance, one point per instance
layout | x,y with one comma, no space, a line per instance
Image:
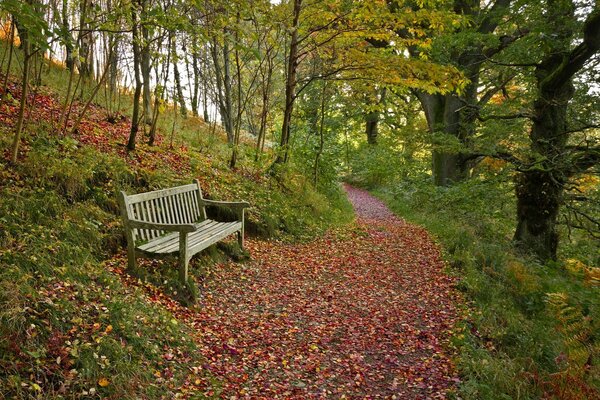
69,326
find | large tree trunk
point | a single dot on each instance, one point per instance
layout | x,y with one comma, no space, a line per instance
372,119
540,188
443,115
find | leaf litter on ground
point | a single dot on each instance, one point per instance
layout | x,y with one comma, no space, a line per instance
366,312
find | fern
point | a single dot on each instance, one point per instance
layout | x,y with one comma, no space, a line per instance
581,349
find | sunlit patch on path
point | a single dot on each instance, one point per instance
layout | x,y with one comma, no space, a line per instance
363,312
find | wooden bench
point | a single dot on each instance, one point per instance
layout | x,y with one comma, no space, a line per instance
173,221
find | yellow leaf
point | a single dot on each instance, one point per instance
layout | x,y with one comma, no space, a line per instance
103,382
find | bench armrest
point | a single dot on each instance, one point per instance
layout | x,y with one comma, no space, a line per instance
229,204
134,223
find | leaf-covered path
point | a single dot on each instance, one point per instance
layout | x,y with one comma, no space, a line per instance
363,312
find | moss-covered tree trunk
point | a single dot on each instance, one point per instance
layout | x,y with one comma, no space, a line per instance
540,187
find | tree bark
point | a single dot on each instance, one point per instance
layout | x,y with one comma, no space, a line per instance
135,117
540,188
26,46
178,87
145,64
290,87
223,83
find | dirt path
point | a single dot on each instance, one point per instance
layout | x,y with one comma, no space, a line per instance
363,312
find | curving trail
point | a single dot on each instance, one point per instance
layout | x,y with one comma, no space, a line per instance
364,312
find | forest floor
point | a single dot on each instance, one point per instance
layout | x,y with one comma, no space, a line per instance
365,311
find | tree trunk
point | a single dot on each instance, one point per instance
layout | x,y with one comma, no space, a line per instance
319,152
290,87
135,117
85,40
178,88
26,46
223,88
145,66
11,46
444,114
372,119
69,62
540,188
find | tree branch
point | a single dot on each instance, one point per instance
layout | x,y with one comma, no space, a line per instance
580,54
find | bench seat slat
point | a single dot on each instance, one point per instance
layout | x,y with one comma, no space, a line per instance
171,246
165,238
234,227
170,243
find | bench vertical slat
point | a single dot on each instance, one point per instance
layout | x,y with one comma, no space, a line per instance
160,213
183,208
138,215
150,215
146,213
146,217
175,209
167,208
131,215
193,216
195,205
157,216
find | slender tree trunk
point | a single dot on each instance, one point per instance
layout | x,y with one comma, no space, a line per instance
238,119
195,79
160,97
180,97
145,64
290,87
85,41
11,48
69,62
26,46
223,88
229,126
321,136
135,118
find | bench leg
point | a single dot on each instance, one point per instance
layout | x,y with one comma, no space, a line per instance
241,232
183,257
131,262
241,239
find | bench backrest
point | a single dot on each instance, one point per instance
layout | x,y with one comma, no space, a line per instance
178,205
